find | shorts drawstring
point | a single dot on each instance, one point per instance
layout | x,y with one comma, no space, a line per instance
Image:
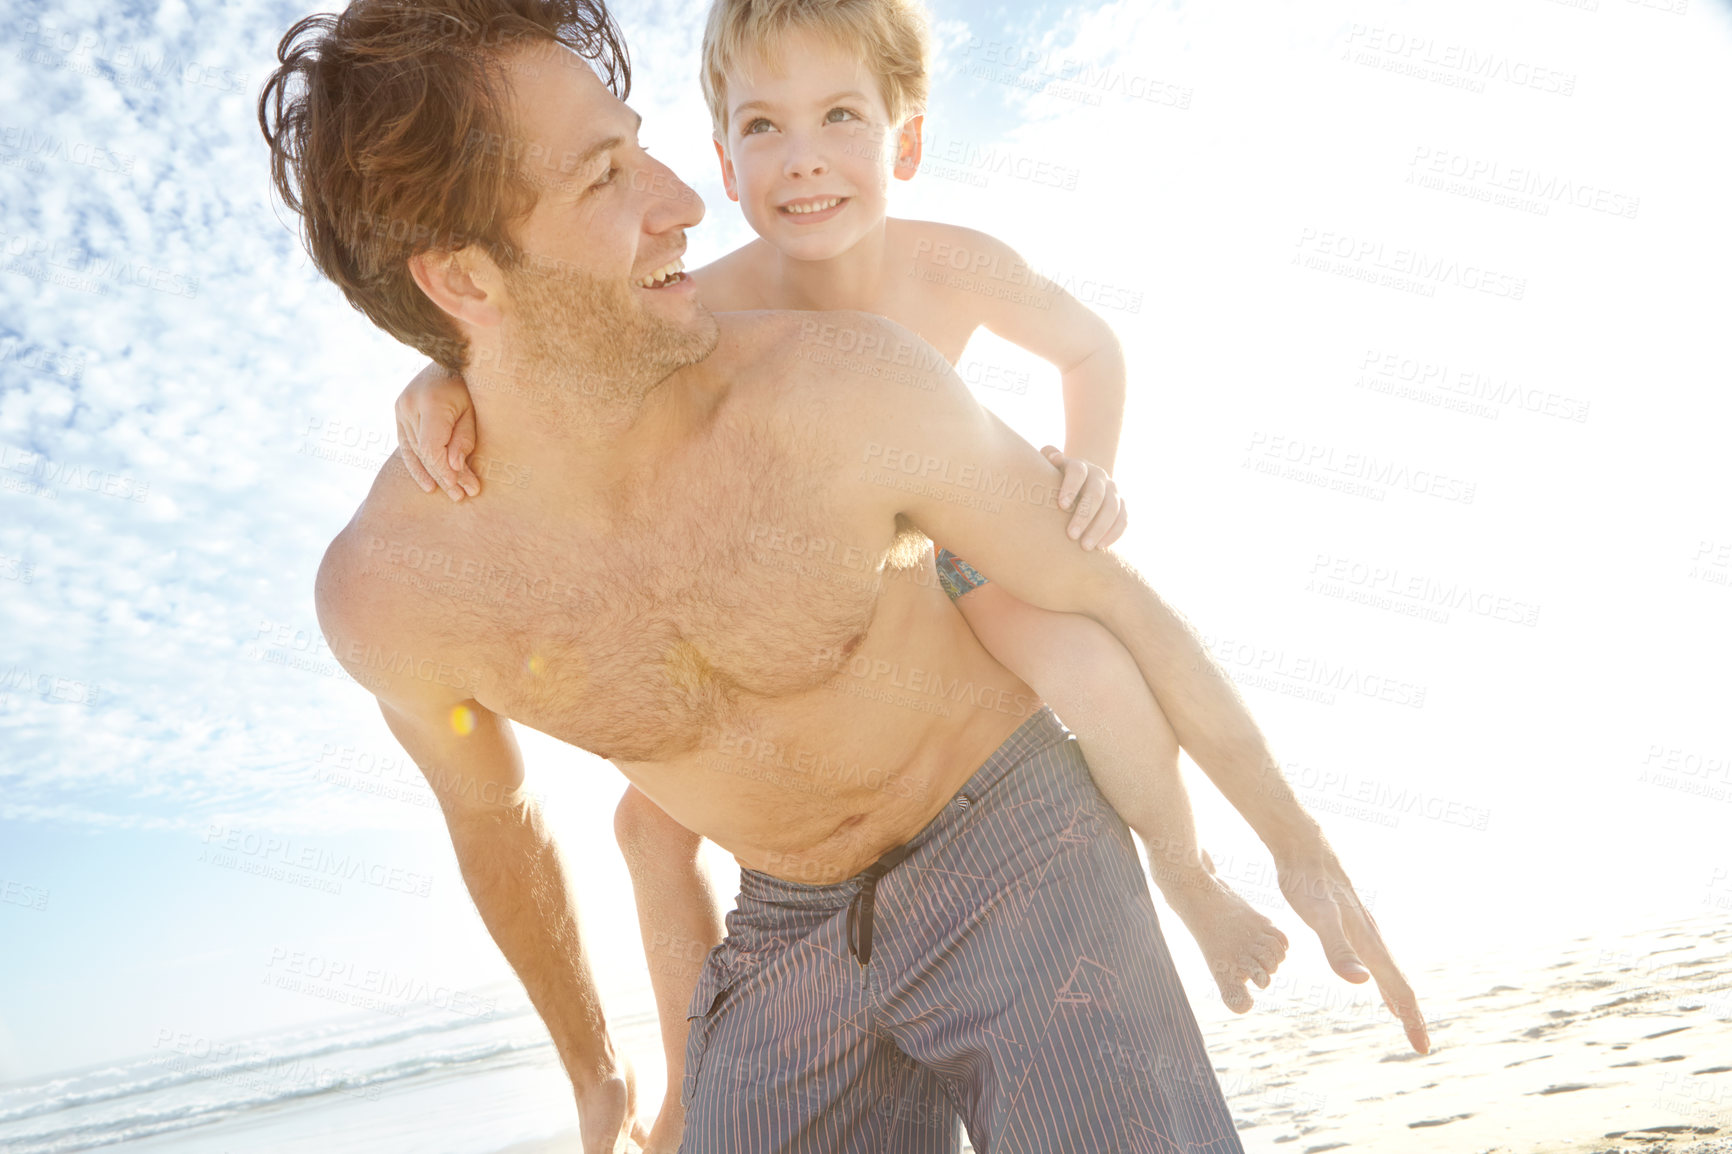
860,909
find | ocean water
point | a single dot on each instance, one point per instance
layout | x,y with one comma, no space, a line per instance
432,1082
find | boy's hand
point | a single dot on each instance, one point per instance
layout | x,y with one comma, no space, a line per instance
1100,517
436,433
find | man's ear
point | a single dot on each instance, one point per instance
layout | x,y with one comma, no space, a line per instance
727,170
449,282
908,149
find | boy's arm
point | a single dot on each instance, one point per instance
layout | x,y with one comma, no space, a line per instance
680,920
507,857
987,494
1020,305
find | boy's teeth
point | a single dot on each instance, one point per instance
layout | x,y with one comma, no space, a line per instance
817,206
662,274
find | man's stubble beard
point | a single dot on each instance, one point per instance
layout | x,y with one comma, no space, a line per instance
579,334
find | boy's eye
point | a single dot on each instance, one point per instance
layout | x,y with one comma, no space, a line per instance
838,115
756,126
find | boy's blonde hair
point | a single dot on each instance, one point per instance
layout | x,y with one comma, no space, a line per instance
891,36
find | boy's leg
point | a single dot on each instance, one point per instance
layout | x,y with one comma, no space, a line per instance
1021,960
786,1054
680,919
1095,686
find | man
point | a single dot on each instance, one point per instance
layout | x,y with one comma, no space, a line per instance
705,573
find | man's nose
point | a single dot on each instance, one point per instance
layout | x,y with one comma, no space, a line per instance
672,202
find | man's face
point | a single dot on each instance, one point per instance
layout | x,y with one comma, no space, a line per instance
598,290
809,152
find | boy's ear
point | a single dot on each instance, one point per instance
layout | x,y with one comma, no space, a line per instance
727,170
908,149
447,280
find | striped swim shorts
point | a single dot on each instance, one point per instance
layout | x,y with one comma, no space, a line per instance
956,575
1012,979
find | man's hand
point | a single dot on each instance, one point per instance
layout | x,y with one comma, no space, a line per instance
1099,517
436,432
1317,888
607,1116
670,1125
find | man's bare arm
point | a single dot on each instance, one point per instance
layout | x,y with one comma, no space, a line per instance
508,860
930,453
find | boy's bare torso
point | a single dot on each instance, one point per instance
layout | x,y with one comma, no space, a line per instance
729,629
913,288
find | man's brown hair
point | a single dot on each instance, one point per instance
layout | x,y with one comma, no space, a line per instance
390,136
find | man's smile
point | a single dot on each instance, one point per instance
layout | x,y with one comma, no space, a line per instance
671,273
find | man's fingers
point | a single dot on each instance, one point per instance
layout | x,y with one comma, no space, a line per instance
1391,982
1323,914
1402,1003
1400,999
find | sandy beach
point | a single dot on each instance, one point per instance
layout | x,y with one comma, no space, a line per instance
1609,1044
1606,1045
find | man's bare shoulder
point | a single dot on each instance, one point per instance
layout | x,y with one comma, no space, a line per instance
358,612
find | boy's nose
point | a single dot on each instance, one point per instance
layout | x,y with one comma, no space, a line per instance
804,160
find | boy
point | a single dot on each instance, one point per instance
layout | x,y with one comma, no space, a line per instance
816,105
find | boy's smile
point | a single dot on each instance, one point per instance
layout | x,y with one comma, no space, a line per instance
813,209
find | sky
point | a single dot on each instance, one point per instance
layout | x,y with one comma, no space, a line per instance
1424,307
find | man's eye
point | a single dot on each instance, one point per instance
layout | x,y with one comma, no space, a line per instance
607,178
838,115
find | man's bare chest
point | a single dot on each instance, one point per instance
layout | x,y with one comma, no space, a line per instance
635,637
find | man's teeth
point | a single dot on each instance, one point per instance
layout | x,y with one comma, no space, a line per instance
657,278
814,206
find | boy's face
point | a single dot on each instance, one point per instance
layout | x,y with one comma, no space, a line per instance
809,153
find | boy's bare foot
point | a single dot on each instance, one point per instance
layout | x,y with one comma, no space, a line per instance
1240,944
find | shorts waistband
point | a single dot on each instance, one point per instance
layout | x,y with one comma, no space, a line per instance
1041,731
